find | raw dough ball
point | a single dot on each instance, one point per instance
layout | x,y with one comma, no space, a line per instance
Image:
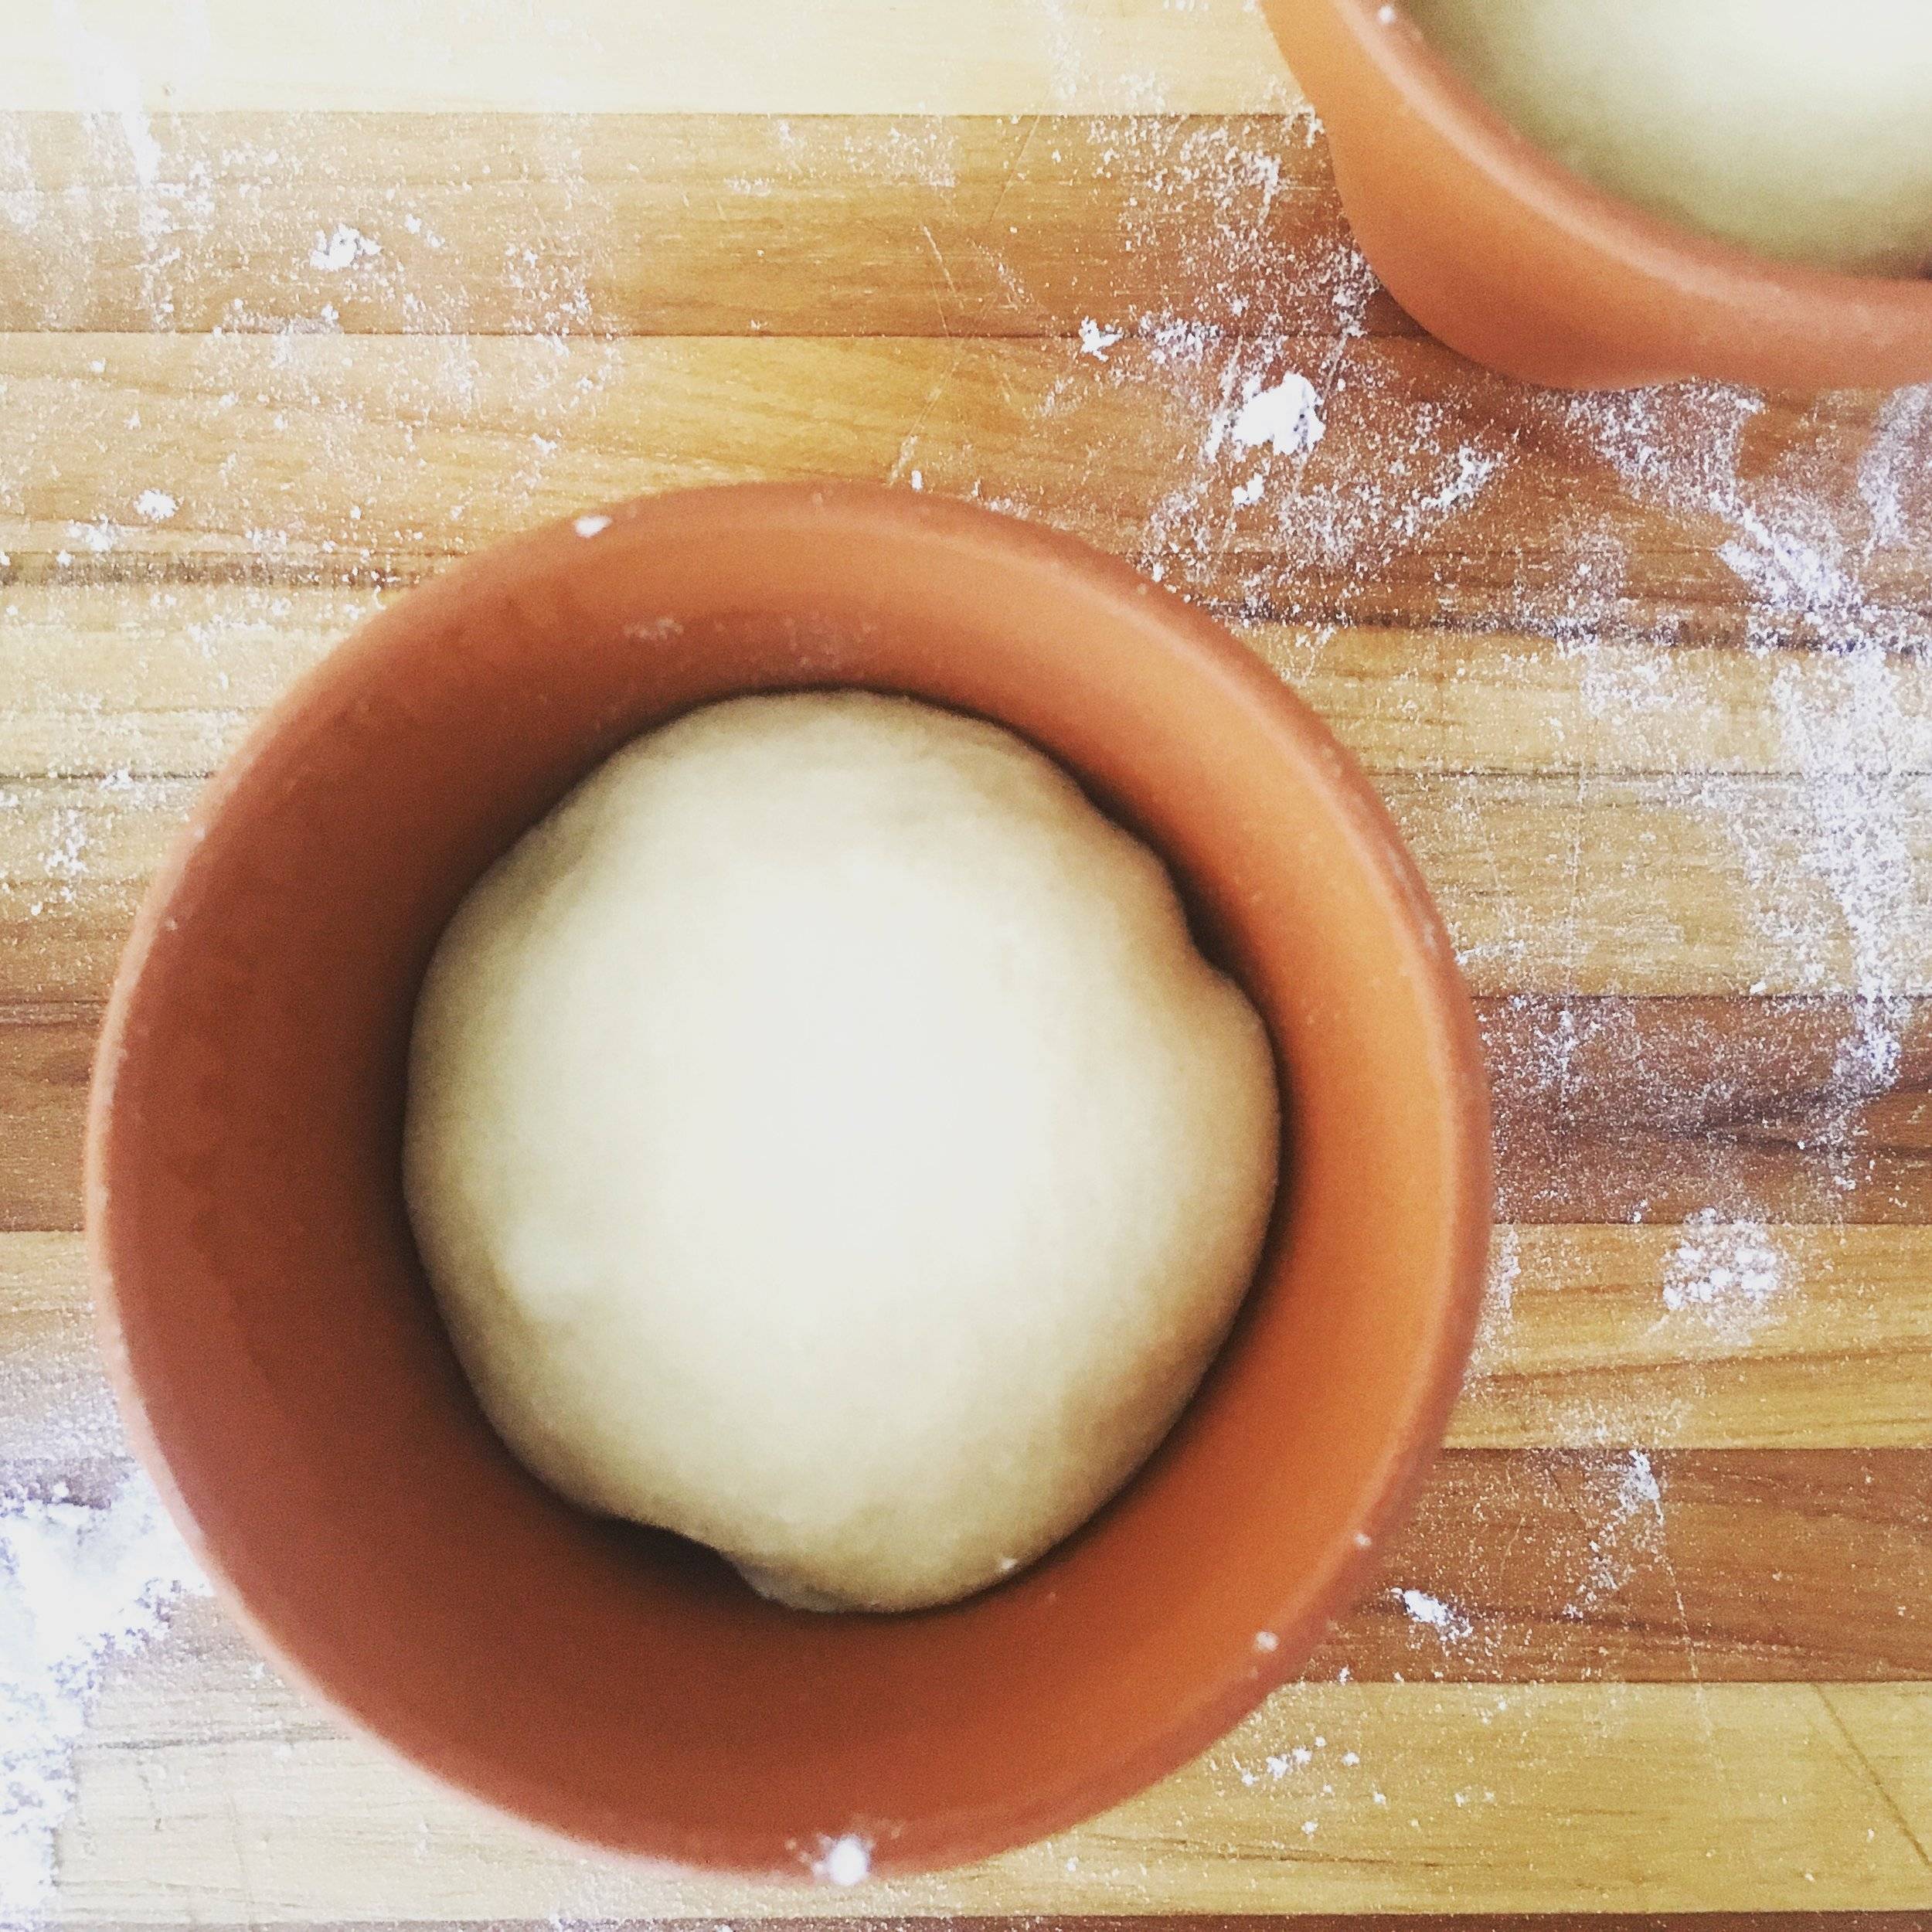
826,1140
1801,128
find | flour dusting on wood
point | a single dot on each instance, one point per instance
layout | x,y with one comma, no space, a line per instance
1728,1275
1433,1613
81,1585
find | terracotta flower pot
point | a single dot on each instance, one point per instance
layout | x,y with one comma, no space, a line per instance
282,1367
1509,257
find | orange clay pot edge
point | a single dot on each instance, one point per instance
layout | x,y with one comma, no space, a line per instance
1510,258
1452,1257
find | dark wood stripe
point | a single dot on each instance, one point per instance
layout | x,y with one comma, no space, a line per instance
1655,1110
1619,1566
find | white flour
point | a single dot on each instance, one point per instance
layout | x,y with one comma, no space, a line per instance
1285,416
1622,1501
1095,340
1726,1275
1499,1302
341,249
1449,1623
1895,469
80,1585
1847,714
844,1861
1638,1488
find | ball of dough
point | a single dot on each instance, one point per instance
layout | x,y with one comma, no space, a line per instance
1801,129
825,1140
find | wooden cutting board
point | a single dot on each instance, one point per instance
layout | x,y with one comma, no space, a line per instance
297,303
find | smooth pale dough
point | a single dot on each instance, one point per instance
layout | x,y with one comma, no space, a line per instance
825,1140
1800,128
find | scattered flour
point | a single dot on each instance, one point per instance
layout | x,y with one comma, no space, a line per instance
1096,341
1434,1614
1850,742
80,1585
1895,473
341,248
1499,1301
156,506
1284,417
1726,1274
63,864
106,80
843,1861
1622,1498
1638,1488
923,152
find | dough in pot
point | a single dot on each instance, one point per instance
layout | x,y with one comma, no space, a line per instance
1800,129
825,1140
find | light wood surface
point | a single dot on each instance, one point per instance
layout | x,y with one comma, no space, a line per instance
241,1802
297,303
744,56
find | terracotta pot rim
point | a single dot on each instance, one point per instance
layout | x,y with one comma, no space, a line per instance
1457,1081
1638,240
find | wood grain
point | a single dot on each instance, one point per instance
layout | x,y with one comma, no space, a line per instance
681,224
1617,1109
786,57
319,459
1615,1334
1233,1922
46,1059
55,1407
220,1792
1626,1566
155,671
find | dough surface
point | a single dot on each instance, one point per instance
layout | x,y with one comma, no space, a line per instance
825,1140
1801,129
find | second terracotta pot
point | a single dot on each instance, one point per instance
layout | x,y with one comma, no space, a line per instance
1507,256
